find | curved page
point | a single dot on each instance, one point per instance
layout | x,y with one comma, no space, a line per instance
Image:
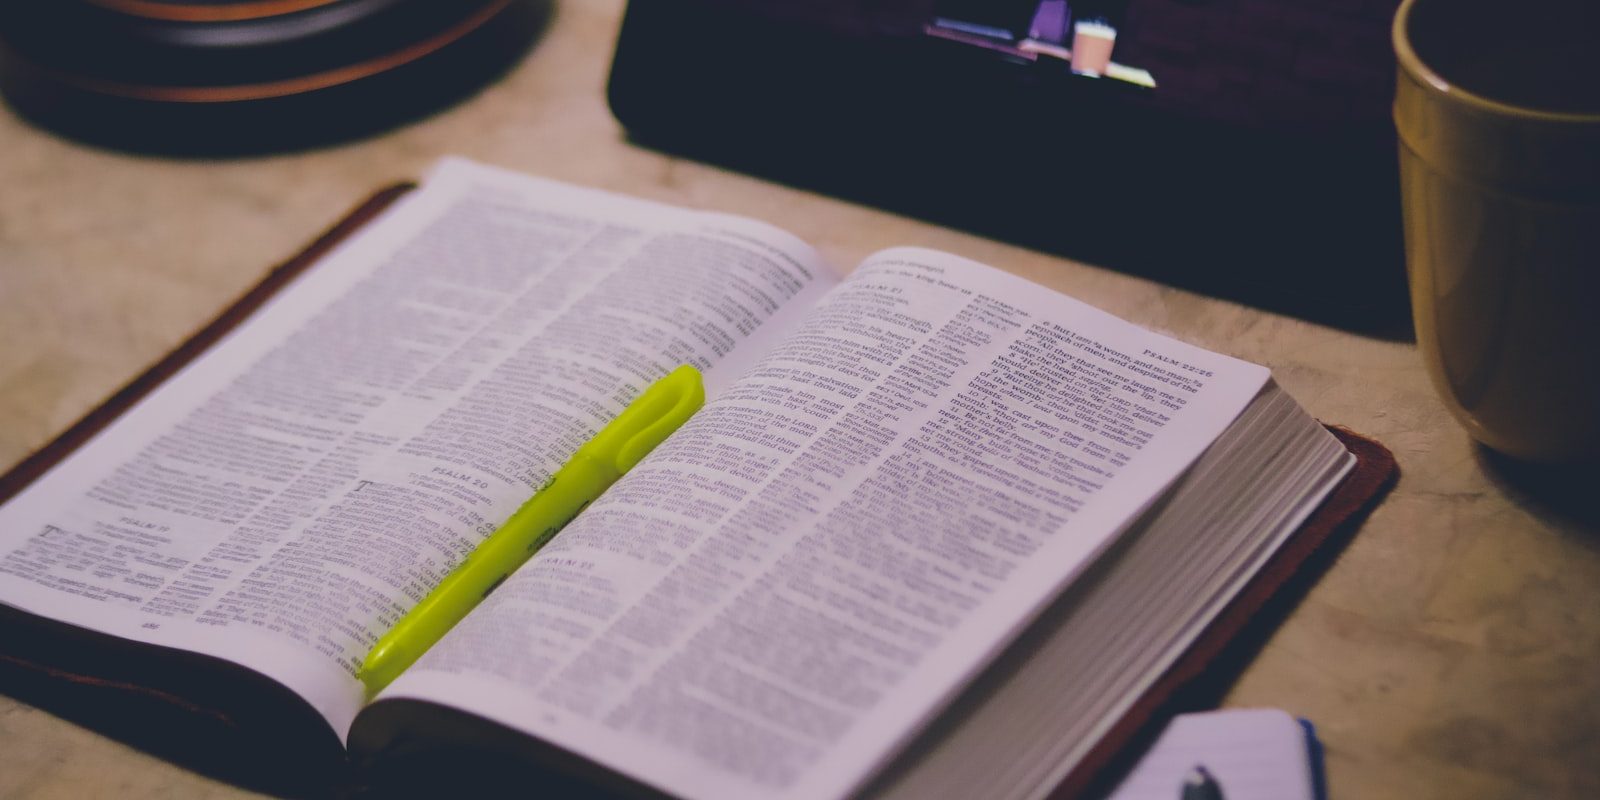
282,500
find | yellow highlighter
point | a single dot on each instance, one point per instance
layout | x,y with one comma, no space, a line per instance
663,407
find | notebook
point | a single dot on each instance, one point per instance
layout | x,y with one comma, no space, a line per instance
1253,753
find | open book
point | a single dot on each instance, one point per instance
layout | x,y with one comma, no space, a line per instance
896,475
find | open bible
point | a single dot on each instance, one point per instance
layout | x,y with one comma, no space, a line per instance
936,532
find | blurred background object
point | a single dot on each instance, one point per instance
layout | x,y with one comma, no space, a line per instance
1258,164
1500,174
232,76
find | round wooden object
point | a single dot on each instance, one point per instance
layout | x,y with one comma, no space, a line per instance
209,76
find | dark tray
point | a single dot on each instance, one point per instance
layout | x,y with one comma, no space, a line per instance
1261,169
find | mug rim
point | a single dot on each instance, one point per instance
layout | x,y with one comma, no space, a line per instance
1420,72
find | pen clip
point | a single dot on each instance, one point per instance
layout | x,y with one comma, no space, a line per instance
649,420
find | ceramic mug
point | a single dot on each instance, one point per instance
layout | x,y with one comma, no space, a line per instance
1498,114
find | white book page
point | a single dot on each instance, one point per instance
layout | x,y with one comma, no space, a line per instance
1254,754
794,583
287,496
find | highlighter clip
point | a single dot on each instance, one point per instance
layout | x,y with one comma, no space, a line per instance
648,421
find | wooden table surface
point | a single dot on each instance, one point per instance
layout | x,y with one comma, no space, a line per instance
1452,650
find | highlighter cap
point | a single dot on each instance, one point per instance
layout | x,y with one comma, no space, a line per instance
649,420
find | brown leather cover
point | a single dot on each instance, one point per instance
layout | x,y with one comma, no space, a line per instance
1312,546
1289,572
